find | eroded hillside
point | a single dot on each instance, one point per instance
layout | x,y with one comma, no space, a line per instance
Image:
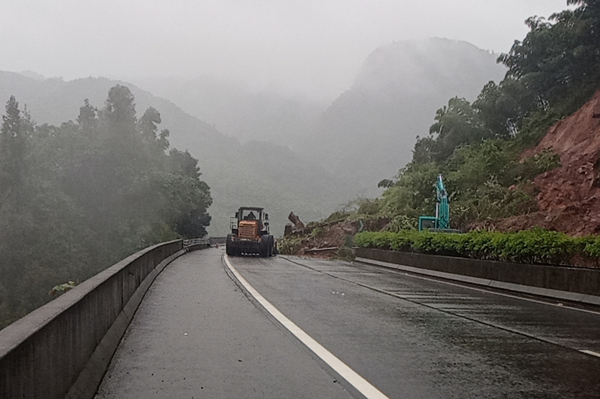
569,196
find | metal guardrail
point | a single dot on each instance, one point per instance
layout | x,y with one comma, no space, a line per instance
196,243
208,241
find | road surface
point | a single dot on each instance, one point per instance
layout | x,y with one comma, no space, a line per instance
197,334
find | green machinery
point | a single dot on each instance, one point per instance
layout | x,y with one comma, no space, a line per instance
441,220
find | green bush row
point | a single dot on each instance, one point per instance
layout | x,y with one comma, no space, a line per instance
528,246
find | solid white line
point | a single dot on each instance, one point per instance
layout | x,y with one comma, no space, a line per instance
362,385
590,353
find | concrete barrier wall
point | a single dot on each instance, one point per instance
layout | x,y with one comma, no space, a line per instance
196,244
63,348
568,279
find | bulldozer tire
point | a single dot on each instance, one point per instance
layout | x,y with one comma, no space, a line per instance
229,250
265,247
272,246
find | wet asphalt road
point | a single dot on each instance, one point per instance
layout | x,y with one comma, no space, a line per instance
410,337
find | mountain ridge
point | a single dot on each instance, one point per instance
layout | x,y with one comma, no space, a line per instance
237,175
392,101
325,156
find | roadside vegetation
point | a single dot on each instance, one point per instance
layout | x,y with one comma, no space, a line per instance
76,198
528,246
478,148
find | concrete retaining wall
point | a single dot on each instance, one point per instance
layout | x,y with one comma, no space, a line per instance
62,349
550,279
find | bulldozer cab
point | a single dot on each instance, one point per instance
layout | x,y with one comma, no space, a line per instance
250,216
258,217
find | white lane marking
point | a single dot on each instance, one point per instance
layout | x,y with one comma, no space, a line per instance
590,353
362,385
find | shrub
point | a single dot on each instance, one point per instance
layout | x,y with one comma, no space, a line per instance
528,246
368,207
289,245
591,246
337,216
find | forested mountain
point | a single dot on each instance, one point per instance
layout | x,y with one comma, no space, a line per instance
369,131
364,135
239,111
84,180
78,197
523,157
484,148
340,154
254,173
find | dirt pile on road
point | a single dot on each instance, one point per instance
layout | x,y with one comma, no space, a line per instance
569,196
327,240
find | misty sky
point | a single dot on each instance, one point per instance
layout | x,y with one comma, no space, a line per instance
313,47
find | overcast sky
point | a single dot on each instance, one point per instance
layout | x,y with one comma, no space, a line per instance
312,46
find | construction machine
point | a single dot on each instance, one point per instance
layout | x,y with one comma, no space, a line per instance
250,234
441,220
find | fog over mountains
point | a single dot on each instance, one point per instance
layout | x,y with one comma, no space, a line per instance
284,153
253,173
368,133
238,110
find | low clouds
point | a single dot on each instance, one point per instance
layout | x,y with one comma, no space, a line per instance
302,46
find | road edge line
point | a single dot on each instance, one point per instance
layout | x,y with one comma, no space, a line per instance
351,376
591,353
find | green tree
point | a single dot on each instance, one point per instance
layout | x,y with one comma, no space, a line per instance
186,198
414,192
85,194
148,126
559,59
119,112
455,125
87,119
182,163
502,107
14,138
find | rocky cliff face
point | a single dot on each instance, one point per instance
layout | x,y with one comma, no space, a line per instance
569,196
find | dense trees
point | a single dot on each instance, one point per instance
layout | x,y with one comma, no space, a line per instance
558,57
551,73
76,198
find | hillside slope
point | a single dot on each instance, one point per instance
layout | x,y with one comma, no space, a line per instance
569,196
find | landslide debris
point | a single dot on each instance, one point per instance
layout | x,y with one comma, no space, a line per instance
328,239
568,196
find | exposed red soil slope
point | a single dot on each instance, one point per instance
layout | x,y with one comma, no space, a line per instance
569,197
